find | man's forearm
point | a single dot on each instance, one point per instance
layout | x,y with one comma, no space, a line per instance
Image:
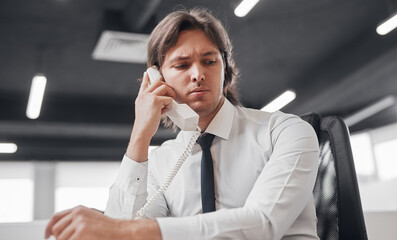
138,147
145,229
85,223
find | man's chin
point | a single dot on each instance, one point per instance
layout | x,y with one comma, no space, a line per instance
203,106
199,110
200,107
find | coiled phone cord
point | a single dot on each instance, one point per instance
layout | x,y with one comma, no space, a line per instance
172,174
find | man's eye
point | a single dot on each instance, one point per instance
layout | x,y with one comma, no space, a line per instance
180,66
210,62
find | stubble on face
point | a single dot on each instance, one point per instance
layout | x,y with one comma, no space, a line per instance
193,50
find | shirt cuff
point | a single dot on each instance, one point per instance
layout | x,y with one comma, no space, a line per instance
132,177
179,228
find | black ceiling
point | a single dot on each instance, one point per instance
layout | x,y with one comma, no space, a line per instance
326,50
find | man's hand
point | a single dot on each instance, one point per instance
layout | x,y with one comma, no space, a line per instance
82,223
85,223
152,101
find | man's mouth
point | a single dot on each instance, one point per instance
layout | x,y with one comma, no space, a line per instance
199,91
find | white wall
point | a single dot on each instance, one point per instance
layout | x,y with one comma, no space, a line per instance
381,225
379,196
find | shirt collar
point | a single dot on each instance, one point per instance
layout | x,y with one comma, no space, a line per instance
221,124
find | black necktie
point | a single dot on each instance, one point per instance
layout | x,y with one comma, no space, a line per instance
207,174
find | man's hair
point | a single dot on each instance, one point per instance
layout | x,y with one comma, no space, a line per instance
165,35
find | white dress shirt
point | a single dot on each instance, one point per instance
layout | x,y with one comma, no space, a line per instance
265,166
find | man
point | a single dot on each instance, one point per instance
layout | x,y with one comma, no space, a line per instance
264,164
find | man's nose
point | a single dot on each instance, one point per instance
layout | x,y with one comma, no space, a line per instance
197,73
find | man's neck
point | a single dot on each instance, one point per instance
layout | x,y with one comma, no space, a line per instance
205,120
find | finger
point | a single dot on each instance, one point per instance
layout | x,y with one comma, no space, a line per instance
54,219
155,85
165,90
166,103
61,225
67,232
164,110
145,82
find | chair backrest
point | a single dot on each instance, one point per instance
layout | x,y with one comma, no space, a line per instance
336,194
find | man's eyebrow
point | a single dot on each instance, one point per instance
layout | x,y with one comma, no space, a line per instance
186,57
209,53
179,58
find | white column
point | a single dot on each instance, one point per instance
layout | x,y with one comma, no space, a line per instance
44,190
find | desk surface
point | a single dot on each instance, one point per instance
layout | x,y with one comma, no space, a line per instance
24,230
380,225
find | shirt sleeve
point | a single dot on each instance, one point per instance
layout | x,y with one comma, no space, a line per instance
128,193
134,183
281,192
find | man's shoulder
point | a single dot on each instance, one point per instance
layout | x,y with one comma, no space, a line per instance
265,118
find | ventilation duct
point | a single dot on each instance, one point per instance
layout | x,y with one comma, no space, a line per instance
121,47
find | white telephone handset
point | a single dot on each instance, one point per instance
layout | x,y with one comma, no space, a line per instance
181,114
186,119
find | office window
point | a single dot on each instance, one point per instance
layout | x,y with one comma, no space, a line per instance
84,183
386,159
16,192
363,154
69,197
375,157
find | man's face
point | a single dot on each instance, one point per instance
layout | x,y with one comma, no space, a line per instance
194,69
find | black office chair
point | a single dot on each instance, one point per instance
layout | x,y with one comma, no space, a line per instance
336,194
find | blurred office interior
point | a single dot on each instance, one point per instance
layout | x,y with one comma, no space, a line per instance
88,54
